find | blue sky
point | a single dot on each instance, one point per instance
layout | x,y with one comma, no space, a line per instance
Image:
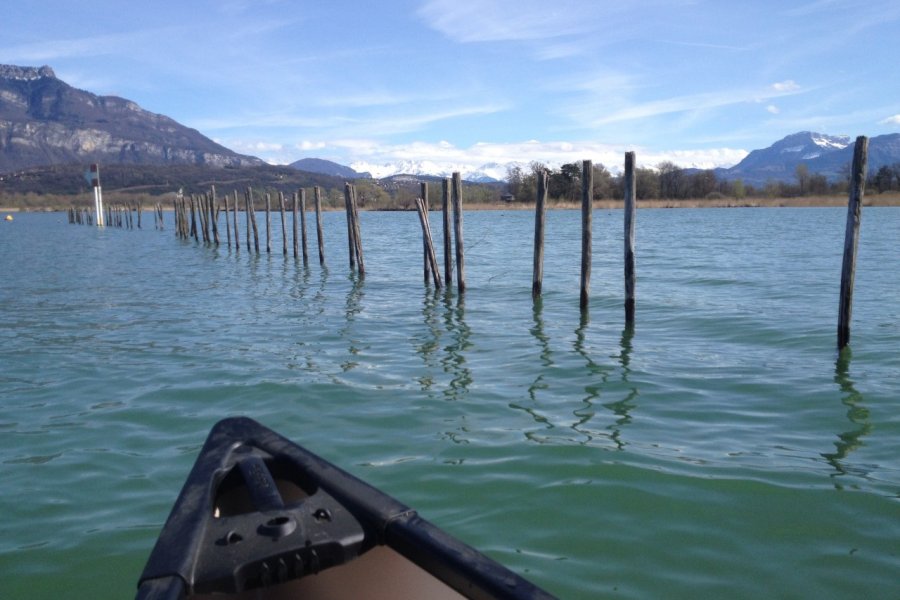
467,82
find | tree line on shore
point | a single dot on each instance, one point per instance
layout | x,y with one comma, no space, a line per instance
51,189
671,182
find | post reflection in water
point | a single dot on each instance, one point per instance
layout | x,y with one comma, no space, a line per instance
352,308
597,377
857,413
428,346
622,408
544,342
454,362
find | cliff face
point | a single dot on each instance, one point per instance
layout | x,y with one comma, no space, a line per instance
45,121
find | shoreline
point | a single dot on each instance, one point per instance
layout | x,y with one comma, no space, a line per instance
806,202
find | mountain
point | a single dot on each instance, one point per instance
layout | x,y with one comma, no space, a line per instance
326,167
45,121
826,155
486,173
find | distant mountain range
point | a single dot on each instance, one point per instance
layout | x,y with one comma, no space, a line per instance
46,122
827,155
326,167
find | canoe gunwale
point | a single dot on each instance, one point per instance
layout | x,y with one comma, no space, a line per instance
359,517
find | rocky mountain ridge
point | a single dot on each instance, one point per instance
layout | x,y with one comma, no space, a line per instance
45,121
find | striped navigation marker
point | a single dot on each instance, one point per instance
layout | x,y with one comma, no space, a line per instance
93,177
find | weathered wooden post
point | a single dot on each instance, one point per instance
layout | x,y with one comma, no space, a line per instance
247,206
214,214
317,194
351,246
227,222
357,235
445,210
237,239
302,196
630,204
851,237
296,241
268,223
423,186
540,219
203,212
252,209
429,243
587,207
458,231
283,225
193,220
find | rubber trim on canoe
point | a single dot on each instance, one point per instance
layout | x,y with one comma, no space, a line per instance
273,540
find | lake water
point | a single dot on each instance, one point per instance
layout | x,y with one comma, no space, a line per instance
721,448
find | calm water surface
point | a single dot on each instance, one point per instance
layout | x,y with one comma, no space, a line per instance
721,448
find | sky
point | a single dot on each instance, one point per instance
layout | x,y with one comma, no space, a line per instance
469,82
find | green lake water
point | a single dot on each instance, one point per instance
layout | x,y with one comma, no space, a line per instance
720,449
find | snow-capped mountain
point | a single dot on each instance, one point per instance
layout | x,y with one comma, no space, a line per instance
488,172
779,161
828,155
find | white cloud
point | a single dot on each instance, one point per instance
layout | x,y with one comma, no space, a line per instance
695,102
502,20
773,109
787,86
894,120
377,158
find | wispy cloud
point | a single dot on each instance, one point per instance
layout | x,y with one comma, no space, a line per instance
786,87
98,45
894,120
697,102
377,124
502,20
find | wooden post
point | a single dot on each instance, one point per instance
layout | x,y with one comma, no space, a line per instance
237,239
445,210
302,195
193,220
851,237
424,196
458,231
283,225
429,243
351,244
202,200
247,207
140,206
587,207
214,214
630,205
268,223
540,219
252,209
357,236
318,200
296,242
227,222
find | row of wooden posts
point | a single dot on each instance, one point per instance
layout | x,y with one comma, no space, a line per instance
123,215
196,216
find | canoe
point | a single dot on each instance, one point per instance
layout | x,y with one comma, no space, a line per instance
261,517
